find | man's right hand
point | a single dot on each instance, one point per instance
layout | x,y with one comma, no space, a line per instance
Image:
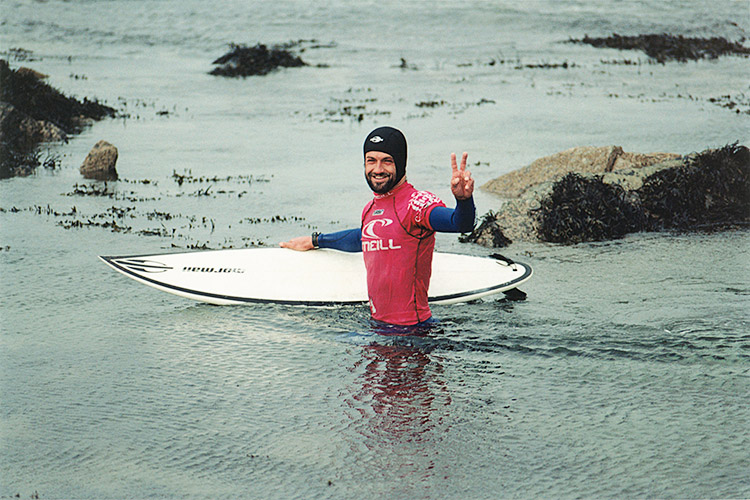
301,243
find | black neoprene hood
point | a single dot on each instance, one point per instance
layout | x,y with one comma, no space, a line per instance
390,141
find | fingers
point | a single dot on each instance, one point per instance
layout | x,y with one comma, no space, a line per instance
454,165
301,243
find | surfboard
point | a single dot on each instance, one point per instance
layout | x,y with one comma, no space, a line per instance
316,278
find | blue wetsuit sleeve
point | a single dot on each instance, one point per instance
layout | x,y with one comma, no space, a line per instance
454,220
349,240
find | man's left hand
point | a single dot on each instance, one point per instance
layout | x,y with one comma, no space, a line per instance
462,185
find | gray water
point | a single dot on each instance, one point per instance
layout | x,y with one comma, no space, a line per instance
624,374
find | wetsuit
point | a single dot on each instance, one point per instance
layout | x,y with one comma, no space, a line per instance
397,238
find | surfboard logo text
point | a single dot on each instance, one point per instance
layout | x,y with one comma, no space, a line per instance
190,269
374,243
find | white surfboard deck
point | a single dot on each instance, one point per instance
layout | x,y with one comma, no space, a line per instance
316,278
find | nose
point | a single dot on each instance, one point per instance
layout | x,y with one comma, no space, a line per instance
379,166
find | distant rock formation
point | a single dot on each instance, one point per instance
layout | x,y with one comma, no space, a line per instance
664,47
100,162
581,195
32,112
254,61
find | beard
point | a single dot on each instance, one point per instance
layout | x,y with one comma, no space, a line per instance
383,185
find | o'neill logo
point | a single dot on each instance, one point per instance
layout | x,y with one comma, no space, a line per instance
371,242
377,139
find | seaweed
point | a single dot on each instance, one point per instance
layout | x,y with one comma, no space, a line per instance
487,226
664,47
580,209
259,60
710,188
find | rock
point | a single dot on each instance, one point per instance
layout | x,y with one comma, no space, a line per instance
548,168
581,160
632,179
258,60
664,47
100,162
34,131
708,189
23,71
515,218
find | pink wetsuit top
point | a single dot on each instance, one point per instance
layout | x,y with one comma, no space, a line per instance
397,245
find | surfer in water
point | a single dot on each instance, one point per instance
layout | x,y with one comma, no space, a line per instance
397,234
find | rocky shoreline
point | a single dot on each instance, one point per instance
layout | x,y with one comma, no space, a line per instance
595,194
31,113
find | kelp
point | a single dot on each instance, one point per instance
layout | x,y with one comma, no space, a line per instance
586,209
710,188
258,60
665,47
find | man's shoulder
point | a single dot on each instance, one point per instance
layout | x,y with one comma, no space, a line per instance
419,200
421,203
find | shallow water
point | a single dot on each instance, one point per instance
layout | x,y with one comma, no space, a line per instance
625,373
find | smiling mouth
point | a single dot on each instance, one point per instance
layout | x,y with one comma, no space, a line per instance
381,182
380,177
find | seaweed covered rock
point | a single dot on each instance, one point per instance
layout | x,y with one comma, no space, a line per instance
666,47
710,188
586,209
258,60
31,112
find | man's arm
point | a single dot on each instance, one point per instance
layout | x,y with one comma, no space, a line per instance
458,220
348,240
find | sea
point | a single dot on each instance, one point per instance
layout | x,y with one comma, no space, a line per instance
625,373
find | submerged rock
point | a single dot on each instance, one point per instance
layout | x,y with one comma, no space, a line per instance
258,60
100,162
706,189
666,47
32,112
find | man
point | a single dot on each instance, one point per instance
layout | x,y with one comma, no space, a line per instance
397,234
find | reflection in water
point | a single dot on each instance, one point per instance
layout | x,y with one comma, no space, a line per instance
401,403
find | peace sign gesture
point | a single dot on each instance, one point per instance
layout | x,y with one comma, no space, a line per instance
462,185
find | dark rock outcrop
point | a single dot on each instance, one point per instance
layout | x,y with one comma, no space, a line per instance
666,47
254,61
32,112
